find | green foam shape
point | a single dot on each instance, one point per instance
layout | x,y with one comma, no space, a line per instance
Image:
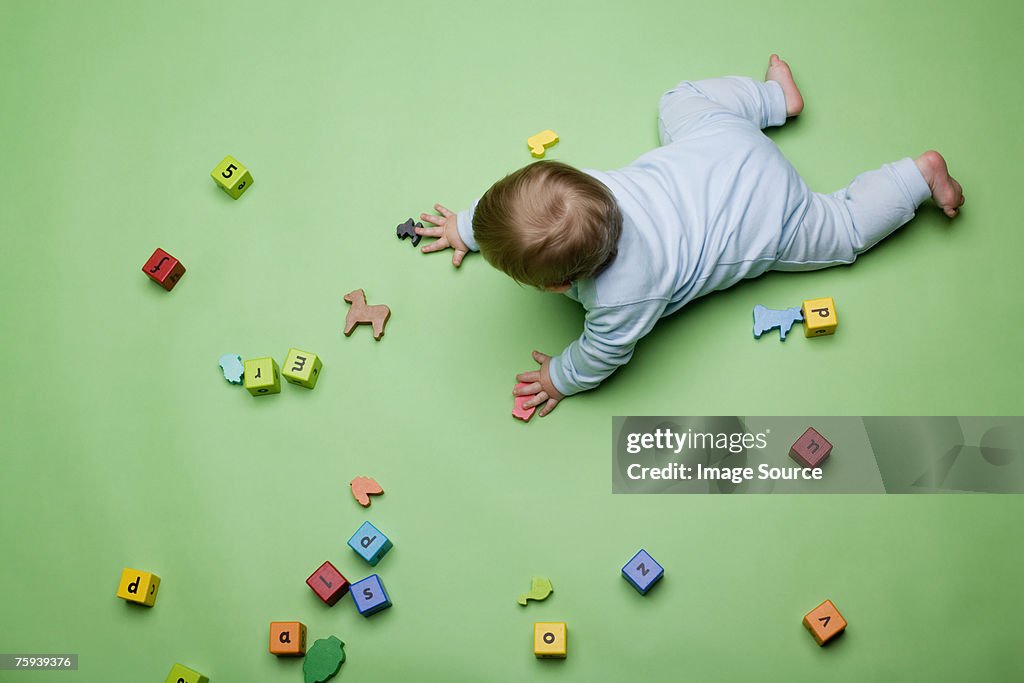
540,588
323,660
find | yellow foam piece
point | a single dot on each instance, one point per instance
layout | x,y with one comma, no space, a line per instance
538,142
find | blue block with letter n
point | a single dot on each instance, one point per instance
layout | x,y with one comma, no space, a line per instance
369,595
370,543
642,572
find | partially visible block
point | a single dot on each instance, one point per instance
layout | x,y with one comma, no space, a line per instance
262,376
183,674
139,587
642,571
549,639
824,622
370,543
287,638
231,176
811,449
164,269
370,596
328,583
819,317
302,368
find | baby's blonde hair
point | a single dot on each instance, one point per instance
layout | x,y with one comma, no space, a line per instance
548,224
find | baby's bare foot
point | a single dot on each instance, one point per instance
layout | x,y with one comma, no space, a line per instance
779,72
946,191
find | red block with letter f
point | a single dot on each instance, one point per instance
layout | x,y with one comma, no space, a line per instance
164,269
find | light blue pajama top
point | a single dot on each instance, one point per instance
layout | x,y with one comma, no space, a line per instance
710,207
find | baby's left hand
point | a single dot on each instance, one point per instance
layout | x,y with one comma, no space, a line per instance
539,386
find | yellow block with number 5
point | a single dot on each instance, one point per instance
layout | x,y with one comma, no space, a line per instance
232,176
819,317
139,587
262,376
302,368
183,674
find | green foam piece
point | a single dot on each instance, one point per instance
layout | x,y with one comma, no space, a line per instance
540,588
323,660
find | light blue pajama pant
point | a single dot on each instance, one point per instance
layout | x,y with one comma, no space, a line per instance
834,228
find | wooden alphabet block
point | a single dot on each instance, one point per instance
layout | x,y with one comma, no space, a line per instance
287,638
164,269
231,176
642,572
183,674
262,376
819,317
811,449
138,587
328,583
824,622
370,543
302,368
549,639
370,596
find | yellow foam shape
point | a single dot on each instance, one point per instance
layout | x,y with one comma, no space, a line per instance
538,142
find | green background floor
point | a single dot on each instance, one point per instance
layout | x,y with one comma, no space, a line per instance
122,446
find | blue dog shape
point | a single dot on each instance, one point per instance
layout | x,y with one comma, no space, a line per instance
767,318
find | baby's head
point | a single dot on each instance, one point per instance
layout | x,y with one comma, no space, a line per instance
547,225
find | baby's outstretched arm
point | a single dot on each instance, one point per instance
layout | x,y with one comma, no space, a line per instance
609,337
446,232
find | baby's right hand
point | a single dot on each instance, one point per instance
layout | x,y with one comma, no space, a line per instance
446,232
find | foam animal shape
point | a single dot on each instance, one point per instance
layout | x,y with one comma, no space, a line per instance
408,229
518,409
540,588
231,365
323,660
538,142
767,318
360,312
363,488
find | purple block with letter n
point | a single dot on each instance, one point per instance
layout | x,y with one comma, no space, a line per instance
370,596
811,449
642,572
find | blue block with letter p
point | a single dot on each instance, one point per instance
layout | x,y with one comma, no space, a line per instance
370,543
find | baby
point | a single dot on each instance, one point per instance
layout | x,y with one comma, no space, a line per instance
715,204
